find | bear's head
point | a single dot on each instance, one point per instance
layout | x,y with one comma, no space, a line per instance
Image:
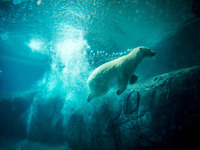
147,52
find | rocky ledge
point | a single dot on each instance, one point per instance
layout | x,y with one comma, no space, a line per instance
161,113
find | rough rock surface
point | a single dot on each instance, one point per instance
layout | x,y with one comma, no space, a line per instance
161,113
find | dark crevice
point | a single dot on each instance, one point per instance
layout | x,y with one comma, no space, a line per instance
138,106
113,129
127,102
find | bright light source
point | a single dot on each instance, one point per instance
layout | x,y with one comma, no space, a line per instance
70,46
36,45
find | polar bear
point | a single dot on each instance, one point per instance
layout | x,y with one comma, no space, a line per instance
119,71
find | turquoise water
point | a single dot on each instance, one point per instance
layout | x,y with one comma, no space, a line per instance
50,47
57,44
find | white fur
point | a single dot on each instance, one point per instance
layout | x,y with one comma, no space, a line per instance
118,71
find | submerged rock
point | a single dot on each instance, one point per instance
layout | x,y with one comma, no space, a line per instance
161,113
14,111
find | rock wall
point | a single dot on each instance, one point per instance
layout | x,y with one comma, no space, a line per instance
161,113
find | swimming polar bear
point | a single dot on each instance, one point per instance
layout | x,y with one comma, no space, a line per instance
119,71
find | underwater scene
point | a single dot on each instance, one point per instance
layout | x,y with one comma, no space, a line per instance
99,74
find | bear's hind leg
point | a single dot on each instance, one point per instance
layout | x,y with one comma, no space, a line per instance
133,79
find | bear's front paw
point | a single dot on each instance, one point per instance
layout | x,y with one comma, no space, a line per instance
133,79
118,92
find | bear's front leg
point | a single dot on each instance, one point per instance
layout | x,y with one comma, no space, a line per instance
122,84
133,79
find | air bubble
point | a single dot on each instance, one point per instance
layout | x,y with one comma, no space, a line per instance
88,46
39,2
84,52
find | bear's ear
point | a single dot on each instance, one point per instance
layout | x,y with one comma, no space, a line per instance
141,49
